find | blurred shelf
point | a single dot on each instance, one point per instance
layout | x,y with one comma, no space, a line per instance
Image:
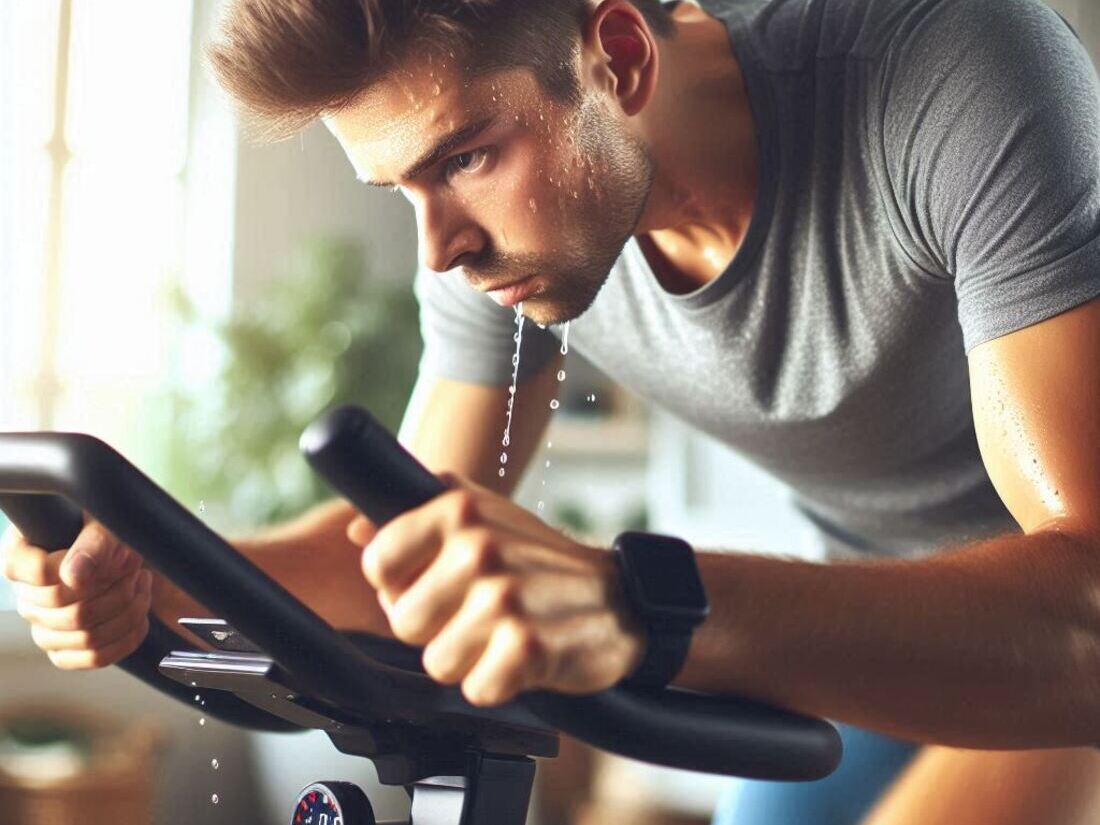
621,437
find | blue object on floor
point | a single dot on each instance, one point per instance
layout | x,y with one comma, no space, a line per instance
871,763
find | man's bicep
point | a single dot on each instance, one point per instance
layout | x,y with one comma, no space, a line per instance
1036,401
458,426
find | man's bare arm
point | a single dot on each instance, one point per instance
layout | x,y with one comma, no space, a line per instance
944,786
995,645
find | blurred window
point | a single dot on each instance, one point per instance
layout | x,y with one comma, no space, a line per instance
94,121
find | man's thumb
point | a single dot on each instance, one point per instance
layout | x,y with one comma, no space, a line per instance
90,555
360,531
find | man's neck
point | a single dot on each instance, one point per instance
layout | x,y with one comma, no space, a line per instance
702,138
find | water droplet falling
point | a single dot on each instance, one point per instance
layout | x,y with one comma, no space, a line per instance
202,506
518,338
541,506
214,799
533,206
561,375
554,404
214,764
202,721
565,338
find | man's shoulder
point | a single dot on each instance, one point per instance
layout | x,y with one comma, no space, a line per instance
791,35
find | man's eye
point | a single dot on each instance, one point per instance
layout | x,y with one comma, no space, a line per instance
468,162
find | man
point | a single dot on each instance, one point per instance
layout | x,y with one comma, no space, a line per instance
856,241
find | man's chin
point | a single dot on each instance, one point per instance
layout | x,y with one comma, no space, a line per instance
546,312
549,306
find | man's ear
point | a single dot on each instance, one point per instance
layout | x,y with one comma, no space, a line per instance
622,53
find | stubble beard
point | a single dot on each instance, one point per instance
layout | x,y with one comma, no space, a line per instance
604,220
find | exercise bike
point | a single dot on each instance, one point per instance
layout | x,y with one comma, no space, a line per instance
277,666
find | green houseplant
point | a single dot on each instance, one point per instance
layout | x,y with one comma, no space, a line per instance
327,333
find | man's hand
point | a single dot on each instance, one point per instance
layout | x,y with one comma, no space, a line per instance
501,602
87,605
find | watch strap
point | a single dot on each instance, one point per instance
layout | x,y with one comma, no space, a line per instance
665,654
668,627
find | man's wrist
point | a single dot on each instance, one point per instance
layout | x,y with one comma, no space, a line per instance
663,590
617,601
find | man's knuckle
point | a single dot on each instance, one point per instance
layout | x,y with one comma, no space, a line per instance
52,597
386,563
525,640
480,552
35,570
76,615
506,597
464,508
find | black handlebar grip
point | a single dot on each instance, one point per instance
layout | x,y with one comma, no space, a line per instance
45,520
52,522
384,487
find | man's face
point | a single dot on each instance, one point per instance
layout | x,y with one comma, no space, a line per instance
518,189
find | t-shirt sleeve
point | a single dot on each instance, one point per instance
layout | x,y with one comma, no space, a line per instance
991,133
469,337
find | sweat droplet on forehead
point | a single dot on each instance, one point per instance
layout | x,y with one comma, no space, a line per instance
399,118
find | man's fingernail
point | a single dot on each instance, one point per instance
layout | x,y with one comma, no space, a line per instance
83,567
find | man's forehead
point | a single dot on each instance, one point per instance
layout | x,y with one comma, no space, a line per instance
404,114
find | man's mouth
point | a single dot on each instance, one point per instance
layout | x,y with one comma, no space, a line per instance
508,295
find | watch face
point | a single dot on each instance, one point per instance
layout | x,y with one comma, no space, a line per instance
664,574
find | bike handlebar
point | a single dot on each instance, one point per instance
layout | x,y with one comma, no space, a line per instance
46,478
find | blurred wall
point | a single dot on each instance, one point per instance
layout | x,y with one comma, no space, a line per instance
290,191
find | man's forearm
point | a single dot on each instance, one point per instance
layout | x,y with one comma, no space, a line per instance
311,557
994,645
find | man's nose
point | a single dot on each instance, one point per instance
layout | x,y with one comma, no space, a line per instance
446,240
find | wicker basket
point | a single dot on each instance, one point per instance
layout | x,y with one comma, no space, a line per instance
114,787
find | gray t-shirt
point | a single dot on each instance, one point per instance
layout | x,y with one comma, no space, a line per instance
929,180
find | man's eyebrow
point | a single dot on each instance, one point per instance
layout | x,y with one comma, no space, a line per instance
441,149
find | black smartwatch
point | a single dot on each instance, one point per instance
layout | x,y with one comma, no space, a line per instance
662,586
